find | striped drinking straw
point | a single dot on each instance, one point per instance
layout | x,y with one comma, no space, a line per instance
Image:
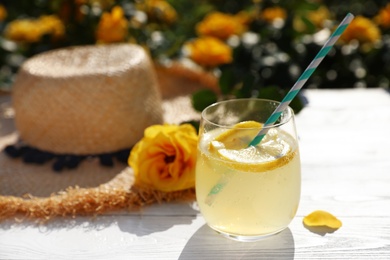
287,99
302,79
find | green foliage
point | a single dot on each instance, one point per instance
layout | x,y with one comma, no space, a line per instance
203,98
270,67
265,66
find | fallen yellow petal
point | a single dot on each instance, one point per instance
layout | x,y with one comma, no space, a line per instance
322,218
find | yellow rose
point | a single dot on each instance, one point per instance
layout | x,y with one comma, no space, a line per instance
363,30
383,17
317,17
209,51
23,30
160,10
3,13
245,17
32,30
112,26
53,25
165,157
220,25
271,14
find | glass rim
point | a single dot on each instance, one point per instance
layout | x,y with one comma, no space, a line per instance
285,121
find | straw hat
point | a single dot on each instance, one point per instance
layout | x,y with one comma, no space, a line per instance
86,100
90,99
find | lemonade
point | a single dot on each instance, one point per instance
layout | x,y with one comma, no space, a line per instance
247,191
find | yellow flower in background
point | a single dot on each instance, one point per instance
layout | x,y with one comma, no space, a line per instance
23,30
32,30
164,159
3,13
320,218
319,16
245,17
271,14
220,25
316,17
160,10
104,4
112,26
53,25
383,17
209,51
363,30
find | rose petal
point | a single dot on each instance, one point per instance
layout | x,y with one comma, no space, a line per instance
322,218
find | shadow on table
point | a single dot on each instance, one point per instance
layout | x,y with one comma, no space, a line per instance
207,244
157,218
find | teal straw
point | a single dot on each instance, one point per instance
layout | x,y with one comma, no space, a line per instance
288,98
302,79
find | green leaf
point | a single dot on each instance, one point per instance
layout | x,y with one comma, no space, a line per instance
297,104
309,25
307,5
271,92
202,99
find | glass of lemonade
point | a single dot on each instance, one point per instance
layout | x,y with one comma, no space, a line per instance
247,192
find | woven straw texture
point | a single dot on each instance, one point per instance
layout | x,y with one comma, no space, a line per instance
86,100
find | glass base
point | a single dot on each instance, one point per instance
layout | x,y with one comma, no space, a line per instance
242,238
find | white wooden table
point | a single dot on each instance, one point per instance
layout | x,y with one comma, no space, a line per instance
345,151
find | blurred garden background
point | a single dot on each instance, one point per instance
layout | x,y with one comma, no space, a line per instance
254,47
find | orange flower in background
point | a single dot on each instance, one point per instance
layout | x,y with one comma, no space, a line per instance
383,17
271,14
112,26
3,13
32,30
160,10
209,51
363,30
164,159
220,25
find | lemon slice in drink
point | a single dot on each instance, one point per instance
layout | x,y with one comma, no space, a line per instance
232,147
240,135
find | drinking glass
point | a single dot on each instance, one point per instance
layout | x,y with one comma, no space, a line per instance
247,192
